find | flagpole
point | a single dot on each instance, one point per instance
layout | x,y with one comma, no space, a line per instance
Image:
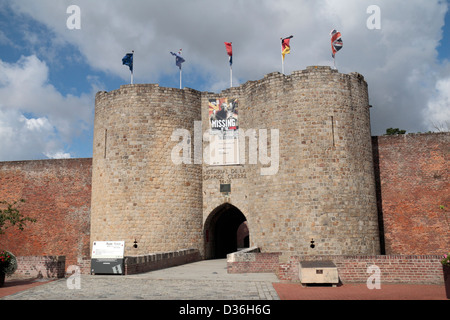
133,68
231,76
181,52
282,60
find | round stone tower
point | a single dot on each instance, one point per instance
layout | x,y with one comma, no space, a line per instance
318,197
322,199
138,192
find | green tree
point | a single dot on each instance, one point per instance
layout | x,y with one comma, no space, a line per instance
394,131
11,216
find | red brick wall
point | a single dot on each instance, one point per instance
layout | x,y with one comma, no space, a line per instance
253,262
425,269
58,195
412,173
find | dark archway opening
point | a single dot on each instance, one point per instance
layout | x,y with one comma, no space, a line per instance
243,238
221,232
246,242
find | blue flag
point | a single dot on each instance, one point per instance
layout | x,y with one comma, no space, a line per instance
128,61
179,59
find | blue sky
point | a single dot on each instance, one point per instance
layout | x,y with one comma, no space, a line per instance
444,47
49,74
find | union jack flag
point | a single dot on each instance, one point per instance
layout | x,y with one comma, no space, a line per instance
336,41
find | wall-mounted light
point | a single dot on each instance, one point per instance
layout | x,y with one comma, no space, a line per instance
312,245
135,244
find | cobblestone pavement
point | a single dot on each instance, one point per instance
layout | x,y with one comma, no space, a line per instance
204,280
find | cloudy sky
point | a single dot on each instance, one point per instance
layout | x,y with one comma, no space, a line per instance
49,73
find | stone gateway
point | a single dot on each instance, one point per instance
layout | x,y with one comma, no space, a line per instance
323,188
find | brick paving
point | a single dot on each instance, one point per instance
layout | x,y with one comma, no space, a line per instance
206,280
291,291
16,284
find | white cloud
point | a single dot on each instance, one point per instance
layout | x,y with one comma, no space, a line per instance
399,61
437,115
58,155
23,139
35,119
36,125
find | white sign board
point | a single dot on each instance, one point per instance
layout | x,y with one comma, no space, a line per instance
108,249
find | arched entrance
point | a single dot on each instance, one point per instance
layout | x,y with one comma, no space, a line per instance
221,231
243,238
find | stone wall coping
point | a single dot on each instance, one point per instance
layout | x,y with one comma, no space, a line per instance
233,257
41,258
156,256
272,75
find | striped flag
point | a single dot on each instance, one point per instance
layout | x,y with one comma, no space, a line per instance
286,46
229,48
336,42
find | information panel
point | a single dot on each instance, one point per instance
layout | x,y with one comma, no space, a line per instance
108,257
108,249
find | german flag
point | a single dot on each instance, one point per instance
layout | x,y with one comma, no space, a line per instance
285,46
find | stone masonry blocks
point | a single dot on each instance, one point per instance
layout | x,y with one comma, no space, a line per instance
138,192
323,190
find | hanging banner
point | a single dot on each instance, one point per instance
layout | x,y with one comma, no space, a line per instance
224,138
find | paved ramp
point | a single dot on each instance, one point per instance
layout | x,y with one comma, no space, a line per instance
204,280
205,270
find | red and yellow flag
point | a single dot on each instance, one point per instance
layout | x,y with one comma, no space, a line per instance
286,46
